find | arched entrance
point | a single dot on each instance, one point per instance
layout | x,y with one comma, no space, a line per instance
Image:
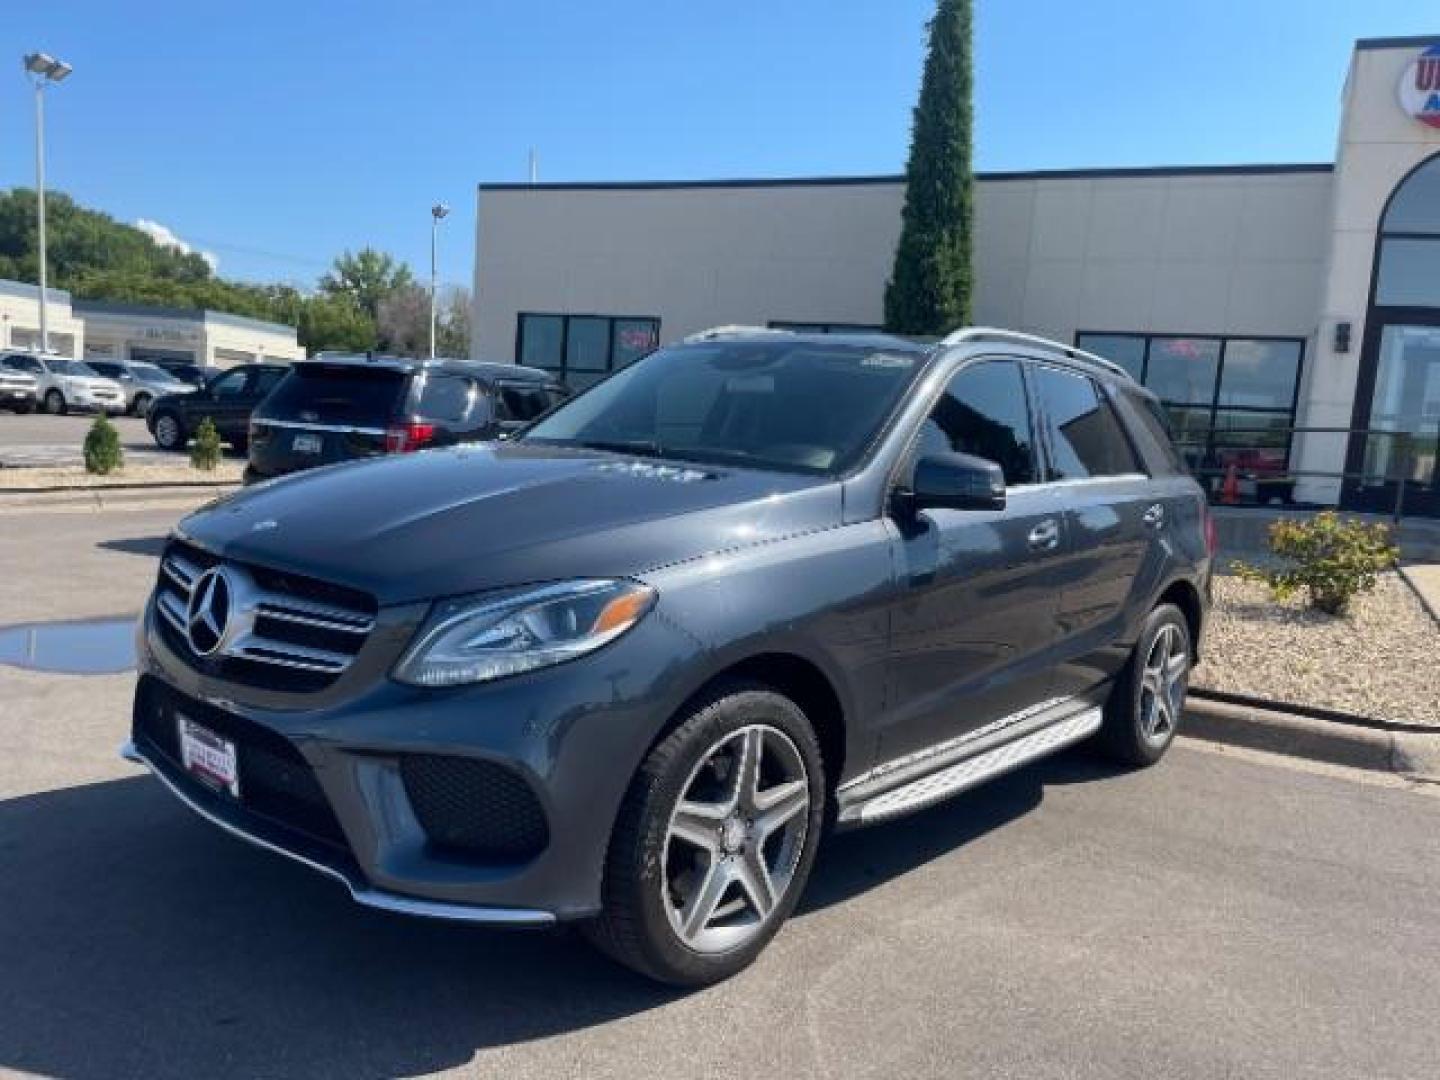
1398,396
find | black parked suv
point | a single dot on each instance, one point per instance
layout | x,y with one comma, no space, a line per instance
336,409
227,399
624,668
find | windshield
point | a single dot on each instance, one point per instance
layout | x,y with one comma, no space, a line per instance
151,373
337,394
72,367
795,406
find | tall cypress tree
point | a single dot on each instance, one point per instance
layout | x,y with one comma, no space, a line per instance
929,289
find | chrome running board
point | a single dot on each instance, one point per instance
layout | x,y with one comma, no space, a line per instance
940,785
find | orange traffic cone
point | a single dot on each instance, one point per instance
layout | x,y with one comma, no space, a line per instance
1230,490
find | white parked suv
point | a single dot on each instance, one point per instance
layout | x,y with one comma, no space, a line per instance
63,385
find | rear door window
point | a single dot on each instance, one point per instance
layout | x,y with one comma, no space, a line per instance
450,399
341,394
1085,436
1151,428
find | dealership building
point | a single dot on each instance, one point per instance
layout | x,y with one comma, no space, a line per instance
98,330
1251,299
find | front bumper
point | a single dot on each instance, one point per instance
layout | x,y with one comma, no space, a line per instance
213,810
574,734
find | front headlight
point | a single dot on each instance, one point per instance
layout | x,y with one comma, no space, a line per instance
482,638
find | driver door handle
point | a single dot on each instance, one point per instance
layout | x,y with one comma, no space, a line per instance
1045,536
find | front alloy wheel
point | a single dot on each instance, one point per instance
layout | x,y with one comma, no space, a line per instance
54,403
735,839
715,838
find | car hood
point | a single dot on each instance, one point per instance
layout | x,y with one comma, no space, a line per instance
462,520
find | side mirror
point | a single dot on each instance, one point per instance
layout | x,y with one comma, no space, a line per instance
957,482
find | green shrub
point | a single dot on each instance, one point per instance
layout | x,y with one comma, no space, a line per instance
102,448
205,450
1328,557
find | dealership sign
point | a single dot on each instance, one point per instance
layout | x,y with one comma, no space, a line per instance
1420,87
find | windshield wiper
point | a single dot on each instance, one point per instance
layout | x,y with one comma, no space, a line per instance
637,447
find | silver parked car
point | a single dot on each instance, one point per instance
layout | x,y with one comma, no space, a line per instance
142,382
63,385
17,391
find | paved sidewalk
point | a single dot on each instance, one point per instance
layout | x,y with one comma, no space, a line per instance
1425,579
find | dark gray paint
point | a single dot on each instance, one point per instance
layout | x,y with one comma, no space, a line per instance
925,627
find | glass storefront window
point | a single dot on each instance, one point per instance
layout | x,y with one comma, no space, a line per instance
1127,350
540,341
1409,273
587,345
583,349
1416,205
1183,369
1259,374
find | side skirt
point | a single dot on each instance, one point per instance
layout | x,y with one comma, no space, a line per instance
867,807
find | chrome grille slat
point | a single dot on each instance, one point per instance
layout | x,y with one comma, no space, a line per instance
283,616
288,654
180,571
310,614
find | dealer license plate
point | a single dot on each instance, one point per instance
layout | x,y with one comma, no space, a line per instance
208,757
306,444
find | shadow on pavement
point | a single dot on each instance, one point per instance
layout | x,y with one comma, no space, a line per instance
139,941
149,546
852,862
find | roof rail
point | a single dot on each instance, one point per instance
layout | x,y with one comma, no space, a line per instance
1014,337
718,333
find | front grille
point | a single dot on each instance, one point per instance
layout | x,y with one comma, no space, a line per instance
275,779
293,633
474,808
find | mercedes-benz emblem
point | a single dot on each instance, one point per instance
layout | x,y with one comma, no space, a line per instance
208,614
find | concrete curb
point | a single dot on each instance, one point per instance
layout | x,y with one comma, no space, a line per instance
1413,755
92,500
1420,593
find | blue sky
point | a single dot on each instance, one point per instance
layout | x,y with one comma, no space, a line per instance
276,134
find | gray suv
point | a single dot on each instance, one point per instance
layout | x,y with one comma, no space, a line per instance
626,667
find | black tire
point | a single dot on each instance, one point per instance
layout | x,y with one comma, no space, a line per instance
1134,731
166,436
634,927
141,405
55,403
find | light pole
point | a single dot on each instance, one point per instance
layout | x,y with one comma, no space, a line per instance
43,70
438,211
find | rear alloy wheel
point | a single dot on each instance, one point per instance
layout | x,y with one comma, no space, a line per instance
55,403
715,840
169,435
1146,706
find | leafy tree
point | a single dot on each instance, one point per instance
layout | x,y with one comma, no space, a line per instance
366,276
334,322
452,338
403,322
929,289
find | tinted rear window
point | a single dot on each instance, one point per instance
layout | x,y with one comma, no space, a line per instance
339,394
1151,428
523,402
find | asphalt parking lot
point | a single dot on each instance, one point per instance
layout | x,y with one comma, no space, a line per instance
40,439
1221,915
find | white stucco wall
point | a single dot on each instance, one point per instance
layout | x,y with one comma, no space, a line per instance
1232,252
